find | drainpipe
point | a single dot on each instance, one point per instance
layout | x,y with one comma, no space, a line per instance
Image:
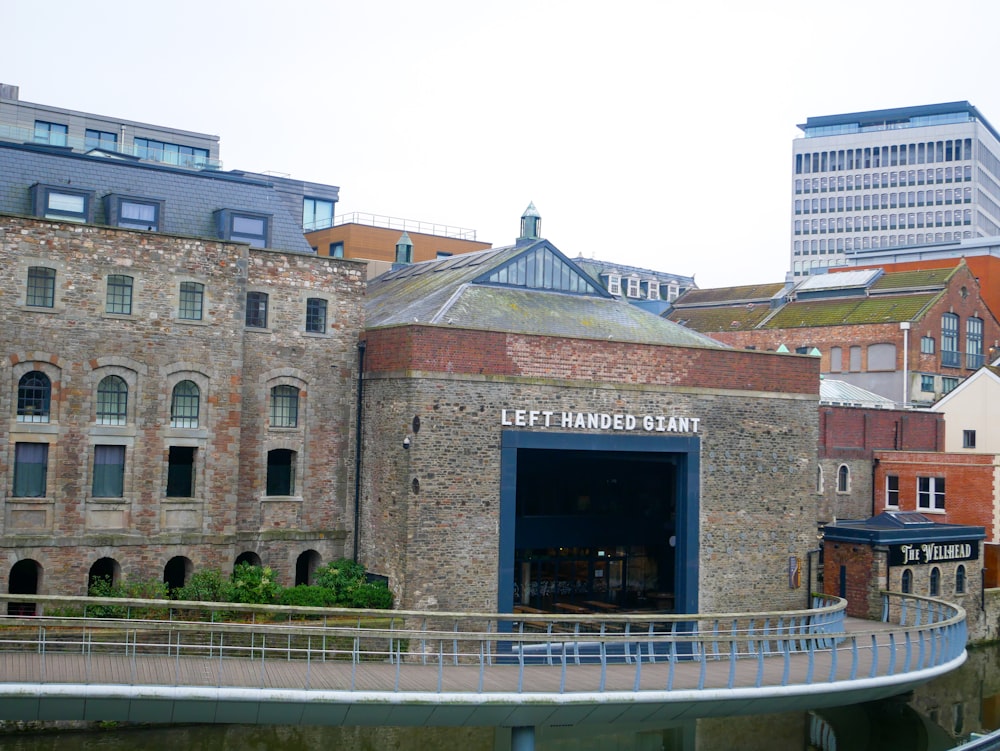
905,326
357,447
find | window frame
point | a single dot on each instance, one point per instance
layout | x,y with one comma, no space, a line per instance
114,402
968,439
317,309
283,409
892,491
226,221
843,479
37,485
115,296
95,139
255,314
115,203
950,355
614,284
51,134
273,482
185,408
41,203
113,479
974,357
181,474
634,289
931,493
34,401
40,288
316,224
189,292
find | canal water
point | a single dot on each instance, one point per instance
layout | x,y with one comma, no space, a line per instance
934,717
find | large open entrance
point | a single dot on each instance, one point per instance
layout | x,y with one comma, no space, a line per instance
593,523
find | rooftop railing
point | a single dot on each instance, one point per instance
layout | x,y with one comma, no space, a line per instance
405,225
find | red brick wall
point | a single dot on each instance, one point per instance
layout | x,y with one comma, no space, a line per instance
855,432
968,485
861,575
450,350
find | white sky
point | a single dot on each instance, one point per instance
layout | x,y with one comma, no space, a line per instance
656,134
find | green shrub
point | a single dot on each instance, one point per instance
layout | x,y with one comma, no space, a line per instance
253,584
143,589
306,596
349,587
207,585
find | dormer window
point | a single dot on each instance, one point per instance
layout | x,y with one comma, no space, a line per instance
614,284
633,286
61,203
132,212
653,290
244,227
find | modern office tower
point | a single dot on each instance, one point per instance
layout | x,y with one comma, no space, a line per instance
892,178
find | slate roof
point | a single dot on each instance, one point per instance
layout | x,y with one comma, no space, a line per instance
190,196
445,292
728,318
851,310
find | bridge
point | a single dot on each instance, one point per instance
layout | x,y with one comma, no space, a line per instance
152,661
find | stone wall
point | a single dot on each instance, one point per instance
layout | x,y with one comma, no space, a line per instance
77,343
430,513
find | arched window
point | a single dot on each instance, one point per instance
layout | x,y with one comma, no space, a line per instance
907,582
843,479
112,401
935,582
34,397
284,407
184,405
960,580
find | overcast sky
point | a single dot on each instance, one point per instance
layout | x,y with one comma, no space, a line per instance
656,134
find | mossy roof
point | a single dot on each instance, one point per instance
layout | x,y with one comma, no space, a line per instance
847,311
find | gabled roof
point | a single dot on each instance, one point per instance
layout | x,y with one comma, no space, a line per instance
990,372
842,393
516,289
729,295
854,310
926,278
734,318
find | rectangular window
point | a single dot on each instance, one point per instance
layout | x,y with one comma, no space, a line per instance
109,472
53,134
653,290
927,345
927,383
281,472
256,315
633,286
41,292
171,153
119,295
948,383
949,340
337,250
930,493
968,439
284,407
31,462
316,214
892,491
180,472
192,299
61,203
133,214
100,139
316,315
614,284
974,343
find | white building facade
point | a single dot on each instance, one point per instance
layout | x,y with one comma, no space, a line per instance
890,179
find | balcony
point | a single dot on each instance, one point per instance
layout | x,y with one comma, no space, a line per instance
404,225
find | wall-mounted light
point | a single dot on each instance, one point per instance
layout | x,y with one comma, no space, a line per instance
406,442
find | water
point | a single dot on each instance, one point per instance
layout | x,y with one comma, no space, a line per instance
935,717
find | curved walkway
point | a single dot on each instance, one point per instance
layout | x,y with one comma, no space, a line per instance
406,668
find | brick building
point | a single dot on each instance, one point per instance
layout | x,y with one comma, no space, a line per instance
177,398
543,444
910,336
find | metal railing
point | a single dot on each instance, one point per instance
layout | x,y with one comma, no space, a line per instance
404,225
146,642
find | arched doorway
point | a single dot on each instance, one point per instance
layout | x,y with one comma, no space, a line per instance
176,572
103,570
305,566
25,578
247,557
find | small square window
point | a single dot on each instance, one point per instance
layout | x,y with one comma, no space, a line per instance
948,383
337,250
968,439
245,227
316,315
316,214
930,493
100,139
119,295
927,345
41,292
927,383
192,301
131,212
256,314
